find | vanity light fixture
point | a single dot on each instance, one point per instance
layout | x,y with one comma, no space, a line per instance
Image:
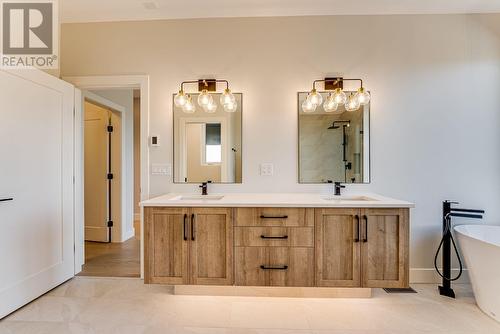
205,99
352,103
336,97
189,106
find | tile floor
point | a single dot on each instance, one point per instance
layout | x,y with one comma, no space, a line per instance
104,305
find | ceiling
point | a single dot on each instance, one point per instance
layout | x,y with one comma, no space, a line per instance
121,10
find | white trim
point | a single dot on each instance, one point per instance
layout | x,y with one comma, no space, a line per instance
128,234
430,276
78,197
127,81
97,99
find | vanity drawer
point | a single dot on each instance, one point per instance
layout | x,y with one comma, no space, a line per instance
274,236
274,266
274,217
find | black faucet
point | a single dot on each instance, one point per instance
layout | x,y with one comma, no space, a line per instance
204,187
338,186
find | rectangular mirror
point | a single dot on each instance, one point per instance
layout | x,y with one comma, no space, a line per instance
334,146
207,146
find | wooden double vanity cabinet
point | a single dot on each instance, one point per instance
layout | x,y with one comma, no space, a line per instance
281,246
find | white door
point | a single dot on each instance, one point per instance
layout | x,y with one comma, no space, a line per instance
96,120
36,171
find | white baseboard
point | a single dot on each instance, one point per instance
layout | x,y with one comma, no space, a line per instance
129,234
427,275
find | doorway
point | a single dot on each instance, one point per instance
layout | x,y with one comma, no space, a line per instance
111,233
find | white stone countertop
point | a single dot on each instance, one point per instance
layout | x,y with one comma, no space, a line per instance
304,200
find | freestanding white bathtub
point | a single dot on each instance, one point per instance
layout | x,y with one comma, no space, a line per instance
480,245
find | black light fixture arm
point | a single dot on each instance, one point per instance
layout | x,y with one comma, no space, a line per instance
337,80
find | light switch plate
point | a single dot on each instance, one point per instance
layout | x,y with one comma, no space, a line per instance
161,169
266,169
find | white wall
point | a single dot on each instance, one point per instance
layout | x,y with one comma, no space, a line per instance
435,112
125,98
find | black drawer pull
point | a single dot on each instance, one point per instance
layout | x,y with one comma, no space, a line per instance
365,239
193,231
357,229
273,217
6,199
274,237
263,267
185,227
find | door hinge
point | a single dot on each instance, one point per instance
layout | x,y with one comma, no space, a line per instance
110,128
110,223
110,176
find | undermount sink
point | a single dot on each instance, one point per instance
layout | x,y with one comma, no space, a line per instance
197,198
348,198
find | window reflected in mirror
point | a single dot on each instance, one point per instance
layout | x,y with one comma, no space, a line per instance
207,146
333,146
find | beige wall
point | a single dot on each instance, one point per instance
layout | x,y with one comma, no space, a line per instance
431,77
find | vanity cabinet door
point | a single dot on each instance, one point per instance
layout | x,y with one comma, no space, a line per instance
211,246
384,248
337,247
166,245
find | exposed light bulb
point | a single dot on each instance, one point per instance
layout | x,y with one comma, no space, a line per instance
308,106
204,99
363,96
352,103
227,97
180,99
211,107
315,97
330,105
339,96
230,107
189,106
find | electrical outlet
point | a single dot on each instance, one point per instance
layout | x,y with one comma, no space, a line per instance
161,169
266,169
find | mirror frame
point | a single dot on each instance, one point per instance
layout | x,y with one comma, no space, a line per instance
174,142
298,143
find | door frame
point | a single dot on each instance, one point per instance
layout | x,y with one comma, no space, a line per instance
140,82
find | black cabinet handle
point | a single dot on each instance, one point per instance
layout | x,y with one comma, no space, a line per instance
274,237
185,226
6,199
273,217
357,228
192,227
365,239
263,267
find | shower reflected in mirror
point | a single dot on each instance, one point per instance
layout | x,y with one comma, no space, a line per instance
333,146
